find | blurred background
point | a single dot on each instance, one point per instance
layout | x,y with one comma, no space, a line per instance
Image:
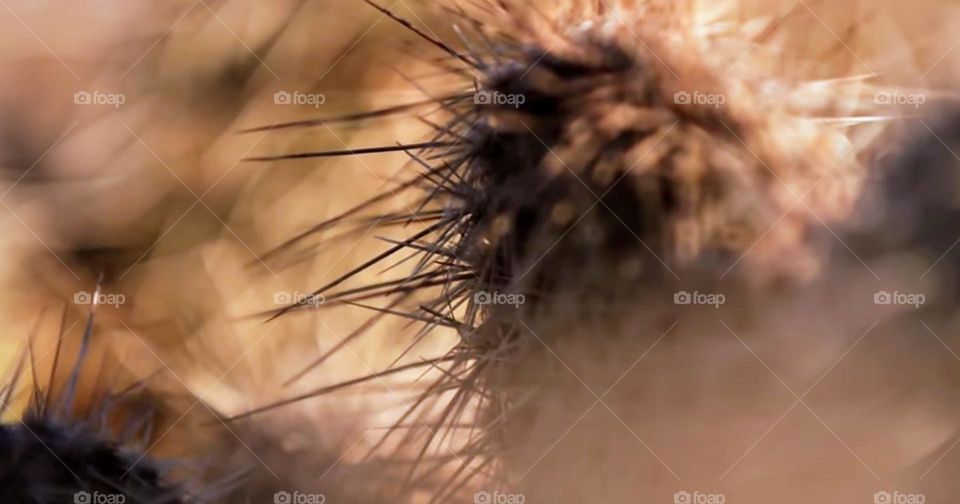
122,154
